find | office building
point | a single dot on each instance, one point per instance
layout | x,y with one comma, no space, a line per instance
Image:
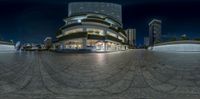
131,35
154,31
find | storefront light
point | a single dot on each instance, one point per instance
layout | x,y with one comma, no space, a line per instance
100,43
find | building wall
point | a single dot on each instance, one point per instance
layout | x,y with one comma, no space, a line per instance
131,34
154,31
109,9
84,28
83,40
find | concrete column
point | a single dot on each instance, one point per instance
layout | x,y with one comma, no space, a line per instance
84,40
62,45
105,46
84,29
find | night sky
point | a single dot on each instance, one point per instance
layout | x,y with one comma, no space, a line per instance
33,20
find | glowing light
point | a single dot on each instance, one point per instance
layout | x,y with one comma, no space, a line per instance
79,21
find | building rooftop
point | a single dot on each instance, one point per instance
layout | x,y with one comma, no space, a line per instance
155,20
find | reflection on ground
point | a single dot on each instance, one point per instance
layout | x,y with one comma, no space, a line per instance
118,75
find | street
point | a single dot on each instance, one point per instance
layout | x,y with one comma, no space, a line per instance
118,75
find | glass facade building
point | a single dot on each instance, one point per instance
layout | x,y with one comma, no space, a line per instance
95,27
109,9
154,31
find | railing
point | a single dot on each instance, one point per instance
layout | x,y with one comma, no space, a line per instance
95,20
70,25
113,38
73,35
120,30
96,37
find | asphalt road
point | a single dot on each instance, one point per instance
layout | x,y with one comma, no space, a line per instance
118,75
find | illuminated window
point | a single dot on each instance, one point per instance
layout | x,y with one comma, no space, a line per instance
91,42
79,21
73,31
111,34
74,44
94,31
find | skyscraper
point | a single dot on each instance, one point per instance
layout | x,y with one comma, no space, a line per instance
131,34
154,31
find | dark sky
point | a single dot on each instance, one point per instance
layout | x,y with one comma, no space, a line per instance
33,20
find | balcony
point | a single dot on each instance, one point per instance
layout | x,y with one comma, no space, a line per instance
96,17
70,25
119,30
122,31
96,37
113,38
73,36
95,20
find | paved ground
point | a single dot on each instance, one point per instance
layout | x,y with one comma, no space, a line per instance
119,75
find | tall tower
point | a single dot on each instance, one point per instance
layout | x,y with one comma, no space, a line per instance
154,31
131,34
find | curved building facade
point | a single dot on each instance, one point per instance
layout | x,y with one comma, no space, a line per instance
90,30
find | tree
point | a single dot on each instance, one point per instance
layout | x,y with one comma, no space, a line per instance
184,37
157,41
197,39
172,39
